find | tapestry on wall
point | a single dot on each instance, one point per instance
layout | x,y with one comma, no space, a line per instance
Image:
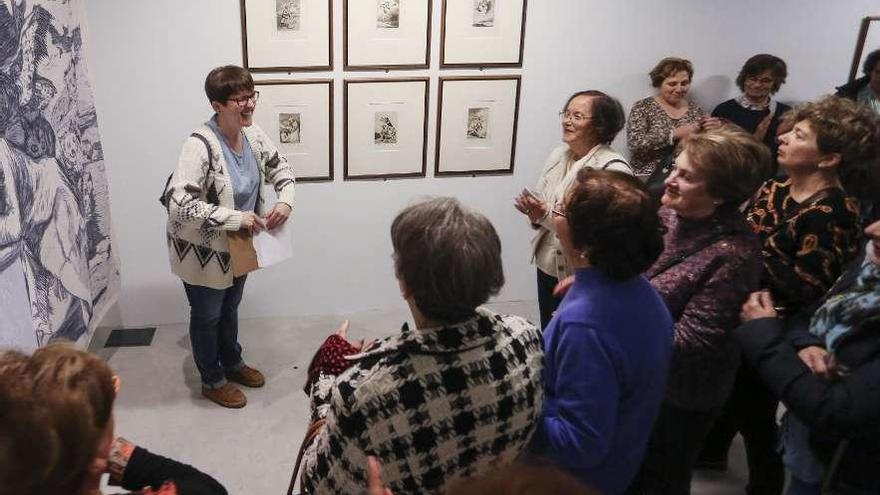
58,270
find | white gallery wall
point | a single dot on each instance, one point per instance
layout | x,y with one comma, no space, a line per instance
149,60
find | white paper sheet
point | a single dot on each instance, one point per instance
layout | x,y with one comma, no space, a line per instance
273,246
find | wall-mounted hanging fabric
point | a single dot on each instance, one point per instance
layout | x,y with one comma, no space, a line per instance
58,269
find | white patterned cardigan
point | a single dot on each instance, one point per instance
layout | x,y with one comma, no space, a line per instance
434,405
201,207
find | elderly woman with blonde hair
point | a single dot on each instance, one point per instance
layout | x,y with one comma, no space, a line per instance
709,265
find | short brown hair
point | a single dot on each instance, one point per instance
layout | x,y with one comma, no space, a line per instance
760,63
606,112
448,257
733,163
851,130
55,407
223,82
614,220
521,479
670,66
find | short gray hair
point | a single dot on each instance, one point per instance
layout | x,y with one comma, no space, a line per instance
448,256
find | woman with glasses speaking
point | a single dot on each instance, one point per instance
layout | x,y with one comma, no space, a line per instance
590,122
214,191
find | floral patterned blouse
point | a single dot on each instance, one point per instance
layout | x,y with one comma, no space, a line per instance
805,247
649,133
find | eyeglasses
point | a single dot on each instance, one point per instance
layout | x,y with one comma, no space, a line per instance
575,116
559,210
244,100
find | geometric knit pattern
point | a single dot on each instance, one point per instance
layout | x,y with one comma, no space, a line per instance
203,254
201,207
434,405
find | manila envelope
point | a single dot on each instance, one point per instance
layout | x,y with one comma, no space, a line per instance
244,257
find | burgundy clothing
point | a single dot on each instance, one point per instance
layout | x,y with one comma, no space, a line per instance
705,273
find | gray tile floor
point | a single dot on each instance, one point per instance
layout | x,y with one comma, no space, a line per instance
252,450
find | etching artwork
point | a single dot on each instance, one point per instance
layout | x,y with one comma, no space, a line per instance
387,14
385,128
58,269
478,123
288,15
484,13
289,128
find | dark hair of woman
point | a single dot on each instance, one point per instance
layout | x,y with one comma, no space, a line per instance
606,114
223,82
614,221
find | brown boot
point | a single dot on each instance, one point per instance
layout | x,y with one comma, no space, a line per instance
247,376
227,396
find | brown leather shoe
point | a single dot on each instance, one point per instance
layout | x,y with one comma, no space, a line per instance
247,376
227,396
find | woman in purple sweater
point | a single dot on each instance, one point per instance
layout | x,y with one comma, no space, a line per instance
710,264
604,363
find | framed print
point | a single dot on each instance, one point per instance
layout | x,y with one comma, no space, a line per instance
386,34
482,33
476,125
287,35
298,117
385,130
867,37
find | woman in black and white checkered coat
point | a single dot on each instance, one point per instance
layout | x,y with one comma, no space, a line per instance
454,397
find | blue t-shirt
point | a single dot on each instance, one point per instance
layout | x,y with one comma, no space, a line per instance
605,367
244,174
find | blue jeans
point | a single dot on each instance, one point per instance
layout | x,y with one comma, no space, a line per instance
797,454
798,487
213,330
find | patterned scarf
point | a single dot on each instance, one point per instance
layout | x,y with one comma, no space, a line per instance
845,310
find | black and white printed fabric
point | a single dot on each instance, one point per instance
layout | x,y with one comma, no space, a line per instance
58,271
434,405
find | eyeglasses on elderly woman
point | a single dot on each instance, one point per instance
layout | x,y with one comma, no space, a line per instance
575,116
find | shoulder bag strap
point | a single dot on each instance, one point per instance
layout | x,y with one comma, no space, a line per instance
615,160
204,140
163,199
687,254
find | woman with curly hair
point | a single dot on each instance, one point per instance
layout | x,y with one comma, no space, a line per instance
657,123
809,227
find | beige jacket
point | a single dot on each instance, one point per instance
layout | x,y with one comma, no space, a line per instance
556,179
201,207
